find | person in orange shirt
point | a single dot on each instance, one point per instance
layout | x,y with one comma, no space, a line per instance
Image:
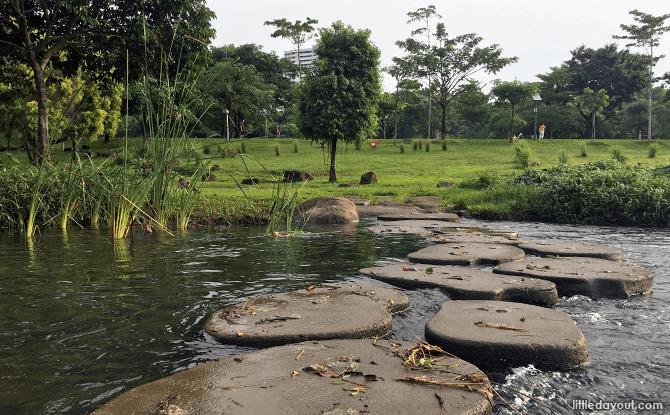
542,128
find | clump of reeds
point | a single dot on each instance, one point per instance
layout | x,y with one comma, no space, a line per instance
427,147
295,146
276,150
444,145
402,148
653,149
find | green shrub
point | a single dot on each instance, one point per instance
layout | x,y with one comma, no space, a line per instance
617,154
295,146
653,149
522,154
563,156
583,149
420,144
444,146
427,147
276,150
416,145
402,148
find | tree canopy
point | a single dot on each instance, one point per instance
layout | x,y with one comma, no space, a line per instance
297,33
339,101
95,35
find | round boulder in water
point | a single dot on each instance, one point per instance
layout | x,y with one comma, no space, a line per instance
316,313
326,211
593,277
467,254
467,283
573,249
501,334
336,376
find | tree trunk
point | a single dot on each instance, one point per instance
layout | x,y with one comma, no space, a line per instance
333,153
511,127
42,117
443,127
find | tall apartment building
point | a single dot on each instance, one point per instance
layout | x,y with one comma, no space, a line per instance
307,57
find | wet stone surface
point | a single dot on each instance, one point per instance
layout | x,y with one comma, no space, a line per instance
316,313
501,334
572,249
467,254
477,237
466,283
337,376
593,277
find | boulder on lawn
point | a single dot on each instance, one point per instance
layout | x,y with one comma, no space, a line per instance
369,178
293,176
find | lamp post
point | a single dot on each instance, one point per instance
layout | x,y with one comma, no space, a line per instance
536,99
227,129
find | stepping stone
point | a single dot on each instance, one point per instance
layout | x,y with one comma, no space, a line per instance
413,215
430,227
593,277
316,313
376,210
467,283
316,378
467,254
477,237
572,249
495,333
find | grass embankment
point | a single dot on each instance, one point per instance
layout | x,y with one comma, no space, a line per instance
484,174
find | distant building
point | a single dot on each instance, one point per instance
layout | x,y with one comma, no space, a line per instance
307,57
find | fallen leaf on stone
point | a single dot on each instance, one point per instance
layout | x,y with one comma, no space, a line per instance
458,253
295,373
311,288
265,331
239,333
253,313
357,389
326,374
239,359
395,343
214,330
391,302
469,231
370,377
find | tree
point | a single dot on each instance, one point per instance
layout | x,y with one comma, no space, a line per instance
339,101
473,106
556,90
95,34
240,90
449,63
620,73
297,33
514,93
646,36
592,102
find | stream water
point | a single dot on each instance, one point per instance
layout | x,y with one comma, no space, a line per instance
84,320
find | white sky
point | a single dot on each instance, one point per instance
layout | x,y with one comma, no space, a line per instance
540,33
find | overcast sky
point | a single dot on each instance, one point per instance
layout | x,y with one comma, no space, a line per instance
540,33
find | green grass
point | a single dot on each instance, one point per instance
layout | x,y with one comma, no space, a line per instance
400,175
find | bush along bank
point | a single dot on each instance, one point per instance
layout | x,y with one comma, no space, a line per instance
602,192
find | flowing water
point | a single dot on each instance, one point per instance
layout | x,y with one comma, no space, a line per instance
84,320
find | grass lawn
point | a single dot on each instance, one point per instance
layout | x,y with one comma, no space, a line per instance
400,175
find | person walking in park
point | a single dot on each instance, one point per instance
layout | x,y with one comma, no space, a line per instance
542,128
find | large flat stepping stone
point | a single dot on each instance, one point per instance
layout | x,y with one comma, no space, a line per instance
467,254
414,215
477,237
495,334
467,284
334,377
593,277
376,210
572,249
315,313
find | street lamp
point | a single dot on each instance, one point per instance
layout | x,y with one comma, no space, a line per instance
227,129
536,98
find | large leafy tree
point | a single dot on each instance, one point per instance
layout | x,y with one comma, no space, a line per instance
646,36
514,94
94,35
562,120
592,102
240,90
620,73
338,103
449,63
473,106
297,33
